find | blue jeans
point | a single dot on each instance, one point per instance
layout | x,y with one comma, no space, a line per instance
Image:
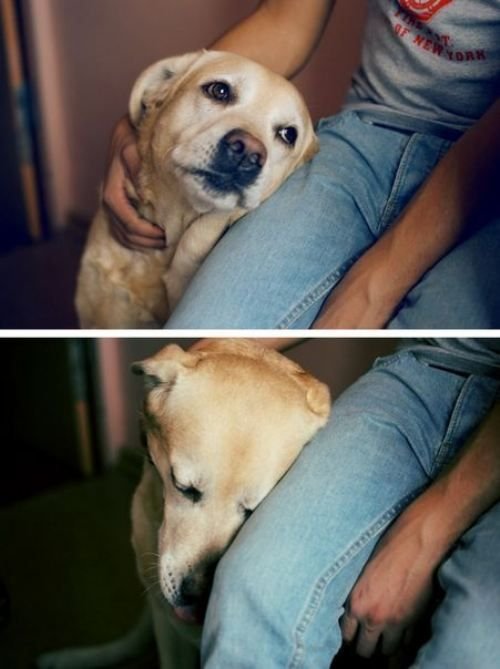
279,591
276,266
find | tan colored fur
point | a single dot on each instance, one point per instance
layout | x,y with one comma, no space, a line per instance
230,419
178,129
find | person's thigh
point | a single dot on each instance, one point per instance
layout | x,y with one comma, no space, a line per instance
279,591
465,626
275,267
461,291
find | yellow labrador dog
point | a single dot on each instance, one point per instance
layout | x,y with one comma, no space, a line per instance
217,134
222,425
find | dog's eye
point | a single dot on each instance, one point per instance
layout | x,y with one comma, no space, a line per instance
187,491
219,91
288,135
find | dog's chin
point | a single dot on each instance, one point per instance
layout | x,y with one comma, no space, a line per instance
204,197
191,615
206,193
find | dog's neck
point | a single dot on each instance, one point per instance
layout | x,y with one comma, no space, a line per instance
157,201
158,198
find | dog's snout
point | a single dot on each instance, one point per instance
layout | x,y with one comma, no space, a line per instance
237,162
245,150
196,585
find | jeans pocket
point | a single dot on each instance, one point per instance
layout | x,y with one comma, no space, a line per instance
474,400
419,157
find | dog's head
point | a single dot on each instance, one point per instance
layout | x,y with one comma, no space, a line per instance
222,424
229,130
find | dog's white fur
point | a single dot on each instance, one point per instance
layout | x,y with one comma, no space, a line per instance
180,127
223,424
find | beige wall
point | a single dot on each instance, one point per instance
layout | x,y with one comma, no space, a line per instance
337,362
86,54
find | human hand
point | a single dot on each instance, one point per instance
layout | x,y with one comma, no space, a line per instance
393,592
126,226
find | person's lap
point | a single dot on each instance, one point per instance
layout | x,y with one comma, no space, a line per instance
275,267
279,591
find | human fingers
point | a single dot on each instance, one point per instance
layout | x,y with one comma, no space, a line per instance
392,638
349,627
367,639
132,241
130,159
125,224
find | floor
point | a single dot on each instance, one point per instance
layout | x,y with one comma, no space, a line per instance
67,566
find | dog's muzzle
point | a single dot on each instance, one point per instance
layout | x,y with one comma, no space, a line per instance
237,162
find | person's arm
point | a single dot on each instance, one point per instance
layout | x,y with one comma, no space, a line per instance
280,34
396,584
433,222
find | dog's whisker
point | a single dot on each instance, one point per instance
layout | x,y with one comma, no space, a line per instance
151,553
151,588
152,569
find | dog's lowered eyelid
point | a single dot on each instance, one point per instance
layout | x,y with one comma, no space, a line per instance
188,491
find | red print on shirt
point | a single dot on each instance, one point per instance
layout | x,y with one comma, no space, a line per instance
423,9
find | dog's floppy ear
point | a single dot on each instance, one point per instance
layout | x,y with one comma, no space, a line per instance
317,395
164,367
153,84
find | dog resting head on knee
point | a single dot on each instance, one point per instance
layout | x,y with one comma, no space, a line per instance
222,425
229,129
217,134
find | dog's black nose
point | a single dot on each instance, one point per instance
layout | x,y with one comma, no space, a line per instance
244,151
196,584
237,162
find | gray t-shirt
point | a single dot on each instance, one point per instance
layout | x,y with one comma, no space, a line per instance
433,61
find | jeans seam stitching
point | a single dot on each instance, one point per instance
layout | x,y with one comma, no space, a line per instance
390,204
322,288
447,440
322,583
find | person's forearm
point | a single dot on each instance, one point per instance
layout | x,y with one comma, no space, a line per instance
280,34
468,488
396,585
437,217
431,225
